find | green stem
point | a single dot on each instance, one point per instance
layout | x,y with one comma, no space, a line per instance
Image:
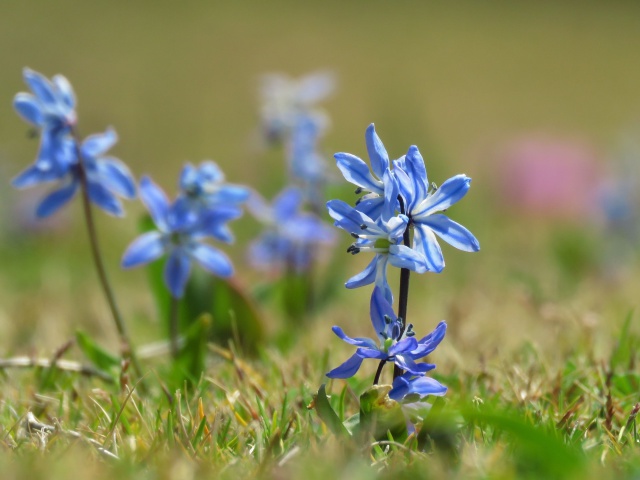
173,327
127,350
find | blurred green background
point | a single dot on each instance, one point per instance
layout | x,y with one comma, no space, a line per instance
179,82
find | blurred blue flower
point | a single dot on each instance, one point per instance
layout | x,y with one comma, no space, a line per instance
382,237
107,177
284,100
409,388
306,164
377,183
181,234
291,238
394,344
50,108
422,203
204,186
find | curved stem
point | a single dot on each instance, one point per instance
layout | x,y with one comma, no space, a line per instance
127,350
376,379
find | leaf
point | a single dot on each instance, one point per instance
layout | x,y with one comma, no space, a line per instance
327,414
625,349
380,415
100,357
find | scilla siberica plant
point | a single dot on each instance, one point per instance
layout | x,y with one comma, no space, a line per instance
76,166
397,200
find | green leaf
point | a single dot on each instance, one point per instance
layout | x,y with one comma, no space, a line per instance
627,342
328,415
381,415
100,357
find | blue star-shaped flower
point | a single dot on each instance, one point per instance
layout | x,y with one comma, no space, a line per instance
292,237
382,237
394,344
181,234
204,186
51,109
107,177
422,205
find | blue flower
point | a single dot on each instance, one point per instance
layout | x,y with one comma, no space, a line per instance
394,344
408,388
51,108
286,99
292,237
107,177
181,234
205,186
305,162
382,237
422,205
376,181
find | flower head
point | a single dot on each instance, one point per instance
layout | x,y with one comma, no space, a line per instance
107,177
423,204
408,388
51,109
204,186
291,238
395,343
286,99
382,237
180,234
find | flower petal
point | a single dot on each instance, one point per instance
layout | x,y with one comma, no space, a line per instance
451,232
358,341
390,195
56,199
401,256
104,199
116,177
449,193
156,202
65,90
95,145
405,362
348,368
33,175
211,259
28,108
403,346
378,155
372,353
381,276
428,344
379,307
365,277
287,203
176,272
357,172
424,242
40,86
144,249
414,166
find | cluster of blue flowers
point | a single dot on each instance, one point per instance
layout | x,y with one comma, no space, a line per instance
397,199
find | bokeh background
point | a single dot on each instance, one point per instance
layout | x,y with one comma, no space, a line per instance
538,102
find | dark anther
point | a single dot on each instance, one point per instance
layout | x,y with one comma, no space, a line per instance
387,319
363,226
358,190
410,334
355,235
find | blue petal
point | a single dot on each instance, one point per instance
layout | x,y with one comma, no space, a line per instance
287,203
379,307
209,171
414,166
365,277
146,248
346,217
176,272
34,175
231,194
405,362
56,199
348,368
95,145
314,87
377,153
188,176
40,86
372,353
404,385
116,177
214,219
65,90
156,202
28,108
451,232
397,226
401,256
357,172
449,193
424,242
358,341
211,259
381,276
371,206
390,196
104,199
403,346
429,343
